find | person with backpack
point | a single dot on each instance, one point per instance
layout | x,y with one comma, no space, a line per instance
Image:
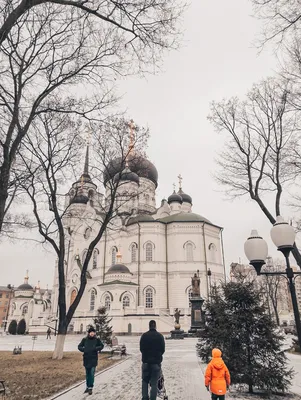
152,347
90,346
217,376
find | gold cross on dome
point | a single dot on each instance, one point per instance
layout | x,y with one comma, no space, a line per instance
132,135
180,181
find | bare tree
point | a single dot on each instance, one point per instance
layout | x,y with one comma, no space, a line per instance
55,147
145,23
63,56
281,18
262,132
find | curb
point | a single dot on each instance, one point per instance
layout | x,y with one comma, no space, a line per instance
82,382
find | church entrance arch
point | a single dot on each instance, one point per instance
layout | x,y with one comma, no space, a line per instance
129,329
81,329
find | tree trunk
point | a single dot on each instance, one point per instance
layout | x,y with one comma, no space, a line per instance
59,346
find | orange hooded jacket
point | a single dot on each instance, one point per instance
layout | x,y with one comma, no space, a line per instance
217,374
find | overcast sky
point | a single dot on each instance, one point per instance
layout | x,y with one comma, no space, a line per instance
217,60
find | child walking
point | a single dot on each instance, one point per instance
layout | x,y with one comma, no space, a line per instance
217,376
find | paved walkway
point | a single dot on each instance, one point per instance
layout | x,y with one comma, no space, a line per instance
183,375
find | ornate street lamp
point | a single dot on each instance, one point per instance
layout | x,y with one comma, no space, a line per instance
256,250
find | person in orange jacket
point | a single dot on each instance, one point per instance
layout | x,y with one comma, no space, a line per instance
217,376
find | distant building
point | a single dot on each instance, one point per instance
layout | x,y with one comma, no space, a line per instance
284,303
32,304
5,298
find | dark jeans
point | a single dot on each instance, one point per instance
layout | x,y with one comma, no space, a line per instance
218,397
90,372
150,376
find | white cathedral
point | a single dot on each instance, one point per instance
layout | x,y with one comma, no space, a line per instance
142,268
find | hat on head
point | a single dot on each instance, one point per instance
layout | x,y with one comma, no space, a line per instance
91,329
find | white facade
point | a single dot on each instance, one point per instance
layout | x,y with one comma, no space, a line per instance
141,268
33,305
157,251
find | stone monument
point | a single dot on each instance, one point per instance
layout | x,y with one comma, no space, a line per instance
177,333
197,314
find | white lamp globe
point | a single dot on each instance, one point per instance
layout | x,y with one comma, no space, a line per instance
282,234
256,248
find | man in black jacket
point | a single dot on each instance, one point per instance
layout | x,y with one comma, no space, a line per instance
90,346
152,347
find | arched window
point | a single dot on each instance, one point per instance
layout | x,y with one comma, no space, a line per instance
25,309
81,328
87,233
13,308
126,301
134,252
73,295
95,256
149,252
212,252
108,302
92,300
114,252
189,251
84,255
149,298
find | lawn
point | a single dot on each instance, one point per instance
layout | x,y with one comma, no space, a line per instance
34,375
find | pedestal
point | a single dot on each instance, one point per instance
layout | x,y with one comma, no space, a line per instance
197,315
177,333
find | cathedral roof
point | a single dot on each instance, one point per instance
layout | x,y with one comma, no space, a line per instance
137,164
118,282
118,269
184,217
139,218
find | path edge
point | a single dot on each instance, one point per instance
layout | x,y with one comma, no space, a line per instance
84,381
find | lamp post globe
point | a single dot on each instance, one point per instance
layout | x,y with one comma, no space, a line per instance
256,250
283,235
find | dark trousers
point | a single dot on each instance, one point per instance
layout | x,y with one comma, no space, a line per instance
48,336
150,376
90,372
218,397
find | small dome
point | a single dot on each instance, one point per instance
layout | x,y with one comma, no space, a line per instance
175,198
118,269
79,199
185,197
139,218
127,175
25,286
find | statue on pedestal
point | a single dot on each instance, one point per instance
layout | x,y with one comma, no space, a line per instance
177,315
195,283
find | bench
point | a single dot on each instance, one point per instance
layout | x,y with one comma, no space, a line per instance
2,388
117,349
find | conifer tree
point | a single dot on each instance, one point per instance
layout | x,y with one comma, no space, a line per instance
21,328
12,329
238,323
103,328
